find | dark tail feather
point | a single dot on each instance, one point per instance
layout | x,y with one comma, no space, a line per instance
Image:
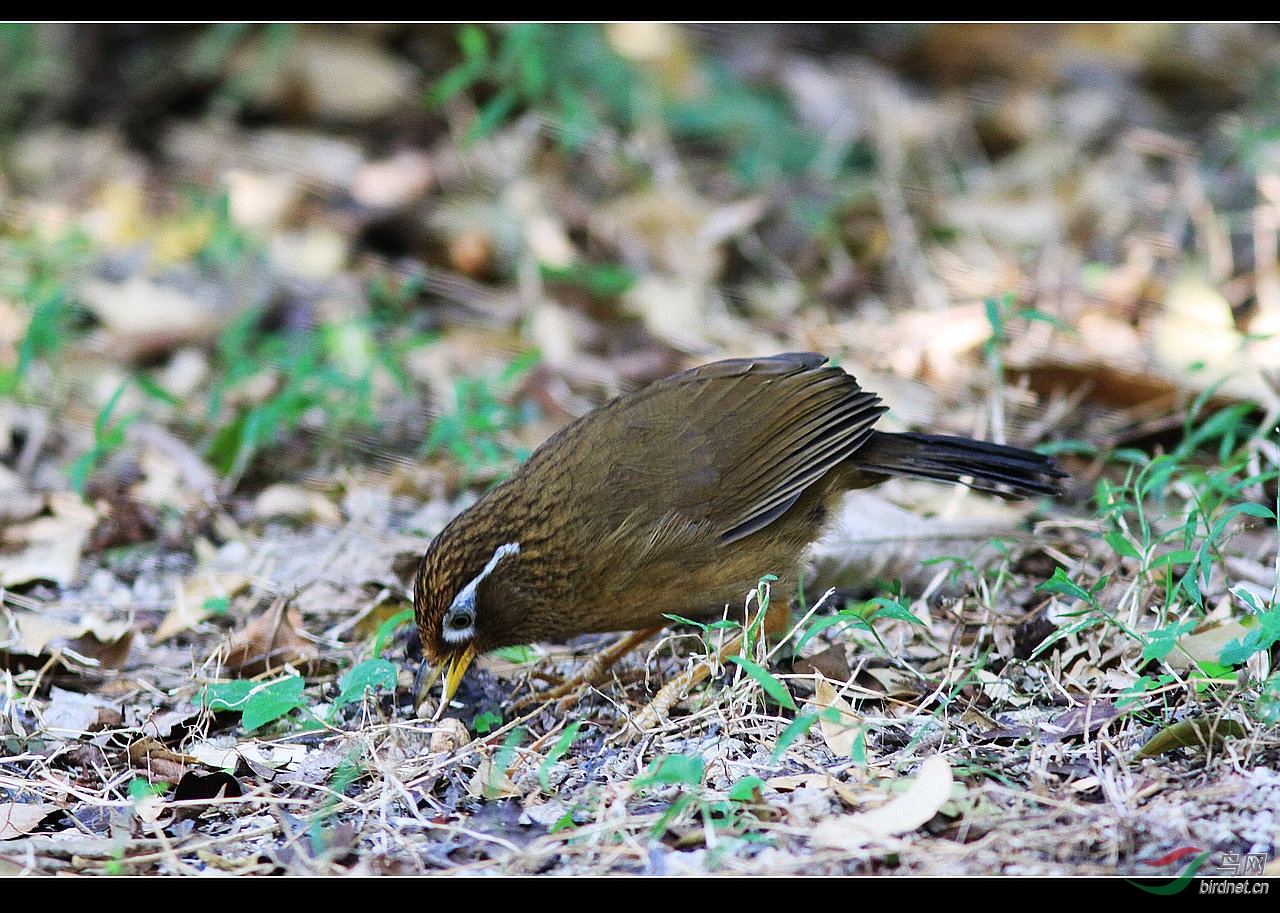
1007,471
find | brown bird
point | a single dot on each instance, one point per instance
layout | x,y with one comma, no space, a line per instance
675,500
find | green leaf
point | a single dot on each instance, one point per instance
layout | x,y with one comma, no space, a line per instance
1262,637
257,702
474,44
818,625
486,722
1161,641
1199,732
748,789
800,725
522,653
774,688
892,608
1178,556
388,628
141,788
1063,585
372,673
1122,546
672,769
226,695
558,751
605,280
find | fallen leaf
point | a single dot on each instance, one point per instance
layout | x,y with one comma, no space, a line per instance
37,630
296,502
198,598
71,714
48,548
448,735
850,795
491,782
929,790
160,762
1198,733
1090,717
17,819
840,735
270,641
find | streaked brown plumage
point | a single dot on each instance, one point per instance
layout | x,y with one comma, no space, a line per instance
674,500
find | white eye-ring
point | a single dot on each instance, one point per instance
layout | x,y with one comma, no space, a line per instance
459,624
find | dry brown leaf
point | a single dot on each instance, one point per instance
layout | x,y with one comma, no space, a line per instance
831,663
448,735
269,641
296,502
1088,718
336,76
841,735
91,636
1195,328
272,757
142,315
48,548
929,790
1201,732
160,762
17,819
896,683
1206,643
491,782
214,756
72,714
35,632
195,600
850,794
110,653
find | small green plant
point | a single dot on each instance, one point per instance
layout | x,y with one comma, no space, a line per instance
322,378
730,814
258,703
605,280
567,72
894,606
217,242
388,628
370,674
108,437
1002,315
109,432
241,59
476,432
487,722
558,751
571,76
36,272
1168,526
140,789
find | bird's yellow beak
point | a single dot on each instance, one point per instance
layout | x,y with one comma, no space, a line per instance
454,665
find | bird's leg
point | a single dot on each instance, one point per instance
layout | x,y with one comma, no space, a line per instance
773,625
593,669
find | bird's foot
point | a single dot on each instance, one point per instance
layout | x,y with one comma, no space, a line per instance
592,672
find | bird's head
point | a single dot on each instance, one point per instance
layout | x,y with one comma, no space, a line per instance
449,600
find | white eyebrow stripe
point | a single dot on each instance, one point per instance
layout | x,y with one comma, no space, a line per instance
467,595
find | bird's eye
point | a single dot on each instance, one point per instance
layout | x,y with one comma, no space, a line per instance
459,623
460,619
